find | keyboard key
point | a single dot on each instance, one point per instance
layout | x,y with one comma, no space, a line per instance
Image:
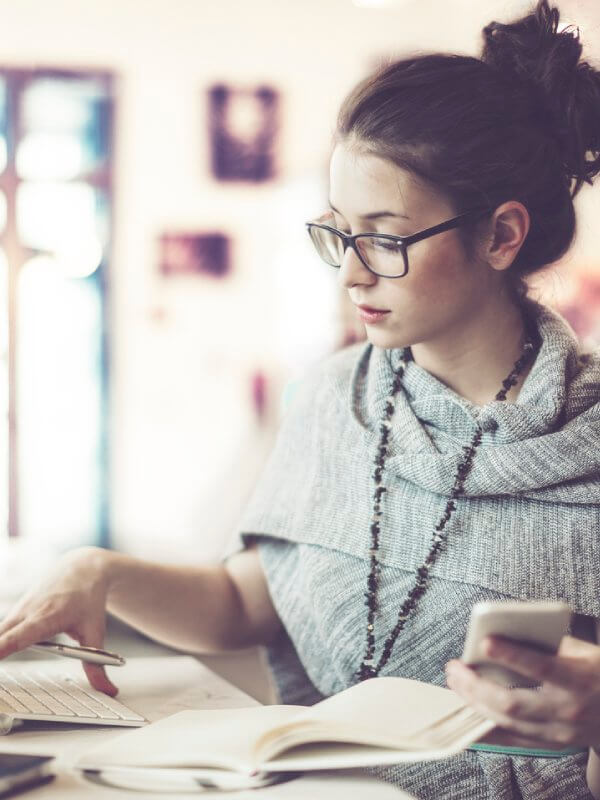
21,694
71,702
10,703
38,691
123,711
85,697
118,708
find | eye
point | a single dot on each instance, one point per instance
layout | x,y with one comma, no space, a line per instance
387,244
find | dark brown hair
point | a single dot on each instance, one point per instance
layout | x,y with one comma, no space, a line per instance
520,123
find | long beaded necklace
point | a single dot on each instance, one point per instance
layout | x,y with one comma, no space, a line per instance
368,667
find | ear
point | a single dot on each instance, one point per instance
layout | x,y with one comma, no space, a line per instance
509,228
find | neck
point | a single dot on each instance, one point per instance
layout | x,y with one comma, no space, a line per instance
475,357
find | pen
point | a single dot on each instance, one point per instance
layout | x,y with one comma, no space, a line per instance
93,655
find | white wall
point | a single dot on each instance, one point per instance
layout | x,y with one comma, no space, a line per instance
178,436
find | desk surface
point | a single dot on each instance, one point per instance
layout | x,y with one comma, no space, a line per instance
246,668
156,687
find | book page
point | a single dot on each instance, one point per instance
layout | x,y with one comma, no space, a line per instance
327,755
221,738
387,712
378,721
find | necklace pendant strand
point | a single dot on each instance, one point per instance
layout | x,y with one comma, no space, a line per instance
368,668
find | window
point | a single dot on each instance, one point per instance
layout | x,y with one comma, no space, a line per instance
55,236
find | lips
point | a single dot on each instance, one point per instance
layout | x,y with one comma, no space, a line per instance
370,315
372,310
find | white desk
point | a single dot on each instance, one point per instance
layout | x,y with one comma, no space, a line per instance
156,687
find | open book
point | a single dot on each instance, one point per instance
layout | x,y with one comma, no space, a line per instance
382,720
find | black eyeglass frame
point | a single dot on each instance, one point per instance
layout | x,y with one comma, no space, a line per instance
349,240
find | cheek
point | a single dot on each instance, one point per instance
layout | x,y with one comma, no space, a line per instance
438,274
439,291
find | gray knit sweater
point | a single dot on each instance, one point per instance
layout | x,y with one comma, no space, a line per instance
527,527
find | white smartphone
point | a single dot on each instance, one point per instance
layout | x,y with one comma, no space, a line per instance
540,624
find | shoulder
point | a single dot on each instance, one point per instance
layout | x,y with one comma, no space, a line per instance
584,387
567,363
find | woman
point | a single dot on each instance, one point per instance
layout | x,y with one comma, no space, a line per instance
453,458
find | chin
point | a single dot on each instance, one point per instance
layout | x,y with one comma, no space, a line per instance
387,340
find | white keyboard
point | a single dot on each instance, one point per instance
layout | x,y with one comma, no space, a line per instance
32,694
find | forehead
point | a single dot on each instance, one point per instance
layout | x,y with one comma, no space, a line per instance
362,182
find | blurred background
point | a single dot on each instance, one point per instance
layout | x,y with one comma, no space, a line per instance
158,160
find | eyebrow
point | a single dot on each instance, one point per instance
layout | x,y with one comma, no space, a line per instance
374,215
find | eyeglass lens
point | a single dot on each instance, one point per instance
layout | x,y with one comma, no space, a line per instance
383,256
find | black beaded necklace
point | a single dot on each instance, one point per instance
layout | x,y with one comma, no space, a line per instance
368,669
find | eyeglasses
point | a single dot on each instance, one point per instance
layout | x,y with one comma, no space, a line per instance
381,253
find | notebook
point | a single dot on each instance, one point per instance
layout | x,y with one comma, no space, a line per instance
384,720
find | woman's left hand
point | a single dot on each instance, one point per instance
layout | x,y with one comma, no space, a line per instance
563,712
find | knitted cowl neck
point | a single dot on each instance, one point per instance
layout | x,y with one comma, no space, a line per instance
544,446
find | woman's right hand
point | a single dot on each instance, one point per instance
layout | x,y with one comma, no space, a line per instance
71,599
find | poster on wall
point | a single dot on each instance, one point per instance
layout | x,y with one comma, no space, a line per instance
243,127
203,253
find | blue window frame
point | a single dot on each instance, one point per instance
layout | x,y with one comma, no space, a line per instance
55,243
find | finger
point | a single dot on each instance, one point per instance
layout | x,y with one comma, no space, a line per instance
24,634
531,663
505,738
572,647
99,679
513,704
9,622
554,736
96,674
511,708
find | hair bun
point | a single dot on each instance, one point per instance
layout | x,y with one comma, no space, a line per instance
564,93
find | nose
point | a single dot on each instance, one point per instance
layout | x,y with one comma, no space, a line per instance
352,271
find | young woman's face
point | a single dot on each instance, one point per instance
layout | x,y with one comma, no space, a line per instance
442,289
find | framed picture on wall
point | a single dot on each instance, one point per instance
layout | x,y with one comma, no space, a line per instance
243,128
205,253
